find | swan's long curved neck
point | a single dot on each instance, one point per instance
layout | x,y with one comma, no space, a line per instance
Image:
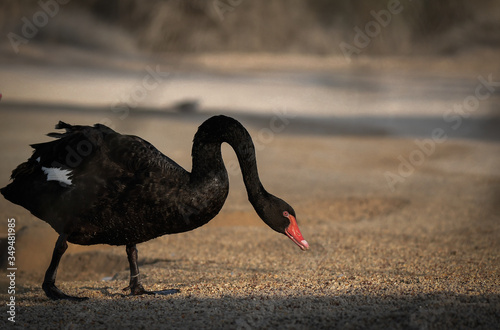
207,157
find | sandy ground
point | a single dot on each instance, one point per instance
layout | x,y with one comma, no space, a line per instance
425,254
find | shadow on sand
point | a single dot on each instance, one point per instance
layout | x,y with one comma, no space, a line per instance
440,310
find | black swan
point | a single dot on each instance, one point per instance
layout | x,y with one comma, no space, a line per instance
96,186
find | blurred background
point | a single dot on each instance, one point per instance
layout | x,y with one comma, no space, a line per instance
295,26
351,83
311,57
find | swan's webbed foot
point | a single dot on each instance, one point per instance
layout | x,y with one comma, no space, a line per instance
137,289
54,293
49,282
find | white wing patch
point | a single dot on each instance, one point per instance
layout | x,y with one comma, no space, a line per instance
57,174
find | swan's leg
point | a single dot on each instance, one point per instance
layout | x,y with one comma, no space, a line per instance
49,282
135,285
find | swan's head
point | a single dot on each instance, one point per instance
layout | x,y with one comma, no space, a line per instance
280,216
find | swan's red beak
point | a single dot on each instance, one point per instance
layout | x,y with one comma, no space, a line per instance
294,233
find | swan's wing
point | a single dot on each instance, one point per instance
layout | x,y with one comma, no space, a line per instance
85,149
139,156
89,178
72,149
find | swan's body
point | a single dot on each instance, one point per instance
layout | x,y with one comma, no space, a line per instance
96,186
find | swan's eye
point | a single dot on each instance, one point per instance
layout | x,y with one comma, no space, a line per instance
286,214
